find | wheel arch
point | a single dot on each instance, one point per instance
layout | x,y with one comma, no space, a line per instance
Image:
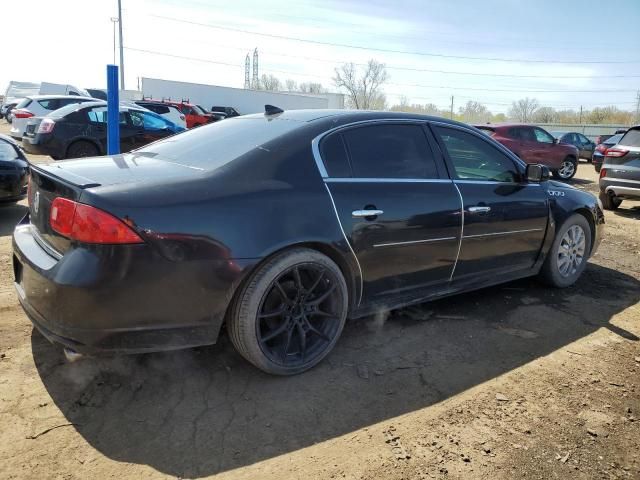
83,139
588,215
326,249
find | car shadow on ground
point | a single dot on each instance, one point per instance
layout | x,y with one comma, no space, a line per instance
10,215
631,212
203,411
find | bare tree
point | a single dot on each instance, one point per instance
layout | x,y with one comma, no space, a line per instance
269,82
311,87
363,90
290,85
544,115
523,109
475,112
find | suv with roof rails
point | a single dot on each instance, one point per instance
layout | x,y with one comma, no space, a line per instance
620,173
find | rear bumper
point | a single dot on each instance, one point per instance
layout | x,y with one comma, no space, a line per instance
126,300
620,187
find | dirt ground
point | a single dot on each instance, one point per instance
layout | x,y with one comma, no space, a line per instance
515,381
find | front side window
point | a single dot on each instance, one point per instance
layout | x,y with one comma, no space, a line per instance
148,121
542,137
390,151
582,139
475,159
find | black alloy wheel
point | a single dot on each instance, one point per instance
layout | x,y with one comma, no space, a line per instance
291,313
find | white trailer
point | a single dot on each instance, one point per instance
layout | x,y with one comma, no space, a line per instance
24,89
244,101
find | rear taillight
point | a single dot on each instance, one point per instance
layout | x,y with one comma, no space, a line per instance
615,152
46,126
20,113
88,224
603,172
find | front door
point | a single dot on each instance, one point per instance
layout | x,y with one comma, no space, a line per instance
400,213
505,218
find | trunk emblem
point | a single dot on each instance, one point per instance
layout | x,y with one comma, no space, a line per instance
36,203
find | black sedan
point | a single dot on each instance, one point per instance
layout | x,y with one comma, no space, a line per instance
80,130
14,171
281,226
583,144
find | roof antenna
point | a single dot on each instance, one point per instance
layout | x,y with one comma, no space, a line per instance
272,110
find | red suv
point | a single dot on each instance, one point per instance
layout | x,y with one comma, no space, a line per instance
193,114
536,145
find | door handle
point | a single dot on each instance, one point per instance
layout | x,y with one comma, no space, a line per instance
479,209
366,213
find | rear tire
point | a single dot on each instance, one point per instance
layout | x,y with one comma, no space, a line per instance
290,313
567,170
609,201
81,149
569,253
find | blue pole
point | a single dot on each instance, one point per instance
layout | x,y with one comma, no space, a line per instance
113,111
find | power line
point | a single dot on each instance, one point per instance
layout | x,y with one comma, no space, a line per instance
385,50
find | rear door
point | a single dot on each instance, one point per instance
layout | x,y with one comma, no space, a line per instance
505,218
409,240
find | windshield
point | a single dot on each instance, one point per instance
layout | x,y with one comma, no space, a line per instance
213,145
199,109
613,140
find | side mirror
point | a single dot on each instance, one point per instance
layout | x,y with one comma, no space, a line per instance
536,173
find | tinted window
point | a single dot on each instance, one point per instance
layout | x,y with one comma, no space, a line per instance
213,145
7,152
334,156
582,138
614,139
542,136
160,109
514,133
99,115
51,104
631,138
475,159
390,151
148,121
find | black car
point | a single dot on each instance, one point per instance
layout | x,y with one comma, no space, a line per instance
583,144
80,130
601,149
281,226
229,112
620,173
14,171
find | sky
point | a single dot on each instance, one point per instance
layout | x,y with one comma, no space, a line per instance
565,53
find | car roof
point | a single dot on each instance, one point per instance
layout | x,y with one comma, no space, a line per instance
8,139
309,115
53,97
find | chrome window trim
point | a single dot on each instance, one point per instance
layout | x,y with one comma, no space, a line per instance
510,232
315,143
385,180
455,264
335,211
411,242
492,182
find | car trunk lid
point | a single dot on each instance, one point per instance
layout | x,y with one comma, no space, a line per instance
69,179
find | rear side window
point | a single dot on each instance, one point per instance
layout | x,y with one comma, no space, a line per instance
334,156
390,151
99,115
475,159
631,138
24,103
51,104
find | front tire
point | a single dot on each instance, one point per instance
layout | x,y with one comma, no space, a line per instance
567,170
569,253
290,313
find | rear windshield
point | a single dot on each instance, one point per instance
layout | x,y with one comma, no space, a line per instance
213,145
613,139
24,103
631,138
7,152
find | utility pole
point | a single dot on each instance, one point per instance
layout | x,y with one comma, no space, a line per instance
247,69
638,106
256,76
121,47
451,116
114,20
580,115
